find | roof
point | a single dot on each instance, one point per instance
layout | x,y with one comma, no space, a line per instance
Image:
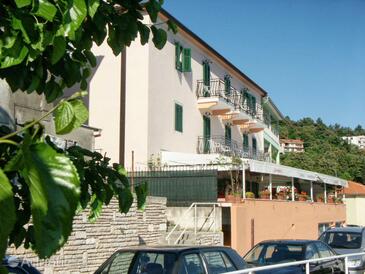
357,229
294,141
174,249
355,189
212,50
274,109
292,242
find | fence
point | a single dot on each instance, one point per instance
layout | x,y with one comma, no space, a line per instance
182,186
305,263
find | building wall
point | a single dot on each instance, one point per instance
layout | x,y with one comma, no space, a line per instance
279,220
104,101
355,210
90,244
154,86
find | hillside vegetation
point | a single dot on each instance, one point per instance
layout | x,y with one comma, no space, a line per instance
325,151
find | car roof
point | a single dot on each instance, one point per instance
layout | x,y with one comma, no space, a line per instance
357,229
172,249
293,242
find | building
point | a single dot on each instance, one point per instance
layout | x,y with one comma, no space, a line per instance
358,141
355,203
183,115
292,145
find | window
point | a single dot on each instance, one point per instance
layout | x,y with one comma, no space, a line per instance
153,262
227,85
323,250
245,141
178,118
218,262
191,264
182,58
206,73
119,264
311,252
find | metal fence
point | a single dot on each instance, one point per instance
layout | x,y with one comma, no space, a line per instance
182,186
305,263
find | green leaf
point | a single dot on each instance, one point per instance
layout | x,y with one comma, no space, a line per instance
93,6
90,57
96,207
64,118
46,10
125,199
7,213
81,113
10,61
159,37
22,3
15,163
75,17
141,192
144,32
153,8
54,188
59,49
172,26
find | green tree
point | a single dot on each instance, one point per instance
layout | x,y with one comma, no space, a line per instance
45,47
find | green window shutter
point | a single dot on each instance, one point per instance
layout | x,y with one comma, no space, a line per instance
178,118
206,73
227,134
245,141
254,144
227,85
178,64
253,99
186,60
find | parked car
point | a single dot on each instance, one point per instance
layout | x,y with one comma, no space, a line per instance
172,260
284,251
17,265
346,240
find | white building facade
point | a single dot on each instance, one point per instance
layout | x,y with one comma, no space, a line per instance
185,100
356,140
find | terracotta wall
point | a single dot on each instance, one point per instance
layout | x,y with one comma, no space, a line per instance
279,220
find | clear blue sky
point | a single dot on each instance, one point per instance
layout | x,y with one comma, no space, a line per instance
308,54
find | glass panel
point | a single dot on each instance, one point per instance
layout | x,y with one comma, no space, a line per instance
311,252
218,262
151,262
346,240
120,263
323,250
191,264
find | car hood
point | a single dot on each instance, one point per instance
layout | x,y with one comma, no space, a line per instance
283,270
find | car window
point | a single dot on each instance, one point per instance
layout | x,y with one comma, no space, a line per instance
218,262
254,255
323,250
15,270
191,264
120,263
311,252
342,240
154,262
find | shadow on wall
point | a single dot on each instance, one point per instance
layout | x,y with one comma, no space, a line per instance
6,119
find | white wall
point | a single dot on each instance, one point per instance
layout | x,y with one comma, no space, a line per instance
104,101
355,210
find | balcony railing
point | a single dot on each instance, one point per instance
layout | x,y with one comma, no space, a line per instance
223,146
217,88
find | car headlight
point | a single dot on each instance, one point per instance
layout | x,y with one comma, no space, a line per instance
354,263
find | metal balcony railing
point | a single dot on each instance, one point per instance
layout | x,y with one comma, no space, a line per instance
234,97
223,146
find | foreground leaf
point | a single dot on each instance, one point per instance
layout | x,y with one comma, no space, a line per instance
141,192
64,118
55,189
7,213
81,113
159,37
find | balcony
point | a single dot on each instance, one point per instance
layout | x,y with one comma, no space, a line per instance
226,147
230,102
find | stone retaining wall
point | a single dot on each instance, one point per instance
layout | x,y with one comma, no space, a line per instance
90,244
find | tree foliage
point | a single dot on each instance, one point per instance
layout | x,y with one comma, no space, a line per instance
325,151
45,47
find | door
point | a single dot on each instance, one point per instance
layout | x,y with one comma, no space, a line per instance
206,134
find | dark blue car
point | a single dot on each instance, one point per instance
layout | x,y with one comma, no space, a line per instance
285,251
19,266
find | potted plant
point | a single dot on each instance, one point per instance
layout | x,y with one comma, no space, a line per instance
319,198
265,194
250,195
338,200
302,196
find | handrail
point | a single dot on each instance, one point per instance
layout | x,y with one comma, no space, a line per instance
303,262
193,205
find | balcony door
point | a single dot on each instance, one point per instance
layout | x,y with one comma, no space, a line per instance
228,135
206,134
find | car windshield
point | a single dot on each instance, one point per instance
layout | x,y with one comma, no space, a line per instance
342,240
273,253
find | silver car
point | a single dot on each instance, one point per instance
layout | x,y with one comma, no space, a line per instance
346,240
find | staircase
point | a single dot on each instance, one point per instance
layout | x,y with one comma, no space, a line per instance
195,227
